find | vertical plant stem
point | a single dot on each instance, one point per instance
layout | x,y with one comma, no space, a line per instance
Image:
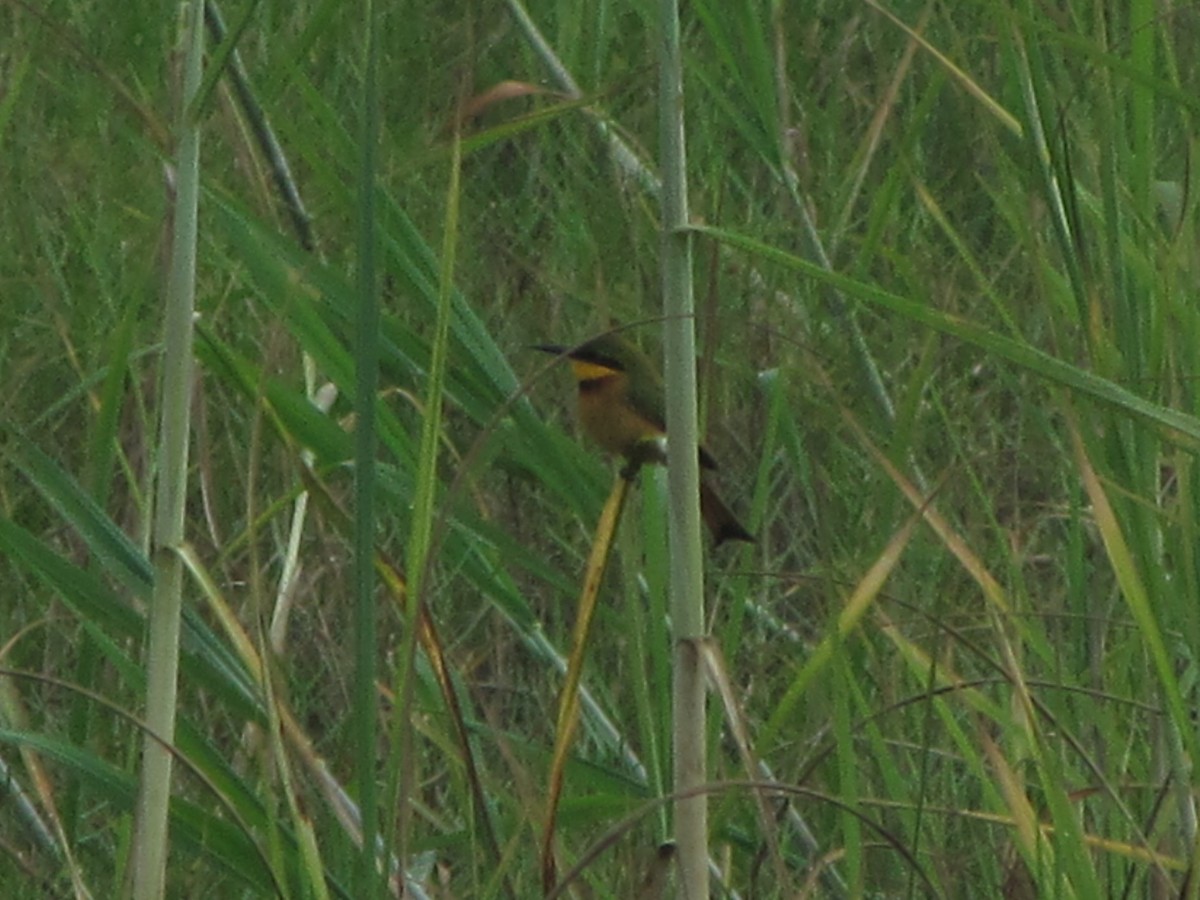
162,664
683,473
366,354
401,770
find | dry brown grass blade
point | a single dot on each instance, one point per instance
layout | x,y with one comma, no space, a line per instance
718,674
430,643
856,606
999,610
568,705
992,591
16,715
1024,818
972,87
498,93
921,662
873,136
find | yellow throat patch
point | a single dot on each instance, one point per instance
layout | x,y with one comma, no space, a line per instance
589,371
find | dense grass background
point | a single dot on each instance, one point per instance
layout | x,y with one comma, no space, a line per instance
965,644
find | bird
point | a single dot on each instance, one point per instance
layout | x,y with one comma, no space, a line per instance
621,408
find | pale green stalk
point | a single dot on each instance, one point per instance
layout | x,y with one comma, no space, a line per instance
162,664
683,474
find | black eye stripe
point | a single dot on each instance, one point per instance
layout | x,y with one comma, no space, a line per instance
598,359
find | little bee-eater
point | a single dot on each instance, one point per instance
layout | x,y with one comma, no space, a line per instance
621,408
